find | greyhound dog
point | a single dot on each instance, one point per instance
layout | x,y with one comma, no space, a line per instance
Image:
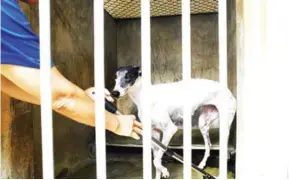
208,100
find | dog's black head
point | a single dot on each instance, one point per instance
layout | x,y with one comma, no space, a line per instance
126,77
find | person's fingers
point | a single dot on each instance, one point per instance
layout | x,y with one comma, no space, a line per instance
106,92
108,95
109,98
137,130
135,136
137,124
133,117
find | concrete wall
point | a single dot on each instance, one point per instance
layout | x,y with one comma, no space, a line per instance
72,52
232,58
16,139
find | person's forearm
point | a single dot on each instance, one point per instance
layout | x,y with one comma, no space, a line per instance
67,98
14,91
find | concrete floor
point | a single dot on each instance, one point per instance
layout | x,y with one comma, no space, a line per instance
127,164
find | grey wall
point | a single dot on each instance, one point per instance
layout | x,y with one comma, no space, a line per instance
232,59
110,50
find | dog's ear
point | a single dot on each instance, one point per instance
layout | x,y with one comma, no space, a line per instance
138,70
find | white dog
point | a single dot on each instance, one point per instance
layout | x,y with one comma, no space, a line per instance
208,99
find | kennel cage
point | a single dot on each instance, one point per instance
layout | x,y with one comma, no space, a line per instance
72,50
261,47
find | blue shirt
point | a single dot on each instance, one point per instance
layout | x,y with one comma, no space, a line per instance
19,44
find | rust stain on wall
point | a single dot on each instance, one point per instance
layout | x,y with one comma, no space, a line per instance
6,119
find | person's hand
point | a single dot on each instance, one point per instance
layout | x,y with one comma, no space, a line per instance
128,126
107,95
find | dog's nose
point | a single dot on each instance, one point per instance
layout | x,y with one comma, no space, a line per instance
115,94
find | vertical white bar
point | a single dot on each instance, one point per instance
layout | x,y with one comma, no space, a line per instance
224,130
186,70
262,74
98,15
45,90
240,139
146,84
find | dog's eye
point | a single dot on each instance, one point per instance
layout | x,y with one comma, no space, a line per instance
128,78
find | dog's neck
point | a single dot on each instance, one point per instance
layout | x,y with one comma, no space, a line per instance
134,92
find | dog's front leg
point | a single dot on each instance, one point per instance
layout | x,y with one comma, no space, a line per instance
156,134
168,133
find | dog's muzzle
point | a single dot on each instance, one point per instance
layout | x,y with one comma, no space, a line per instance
115,94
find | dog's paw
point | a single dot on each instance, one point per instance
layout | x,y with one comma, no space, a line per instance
165,173
202,165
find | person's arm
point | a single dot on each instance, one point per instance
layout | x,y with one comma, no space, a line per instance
69,100
14,91
75,108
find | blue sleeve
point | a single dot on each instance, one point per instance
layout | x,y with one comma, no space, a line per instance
19,44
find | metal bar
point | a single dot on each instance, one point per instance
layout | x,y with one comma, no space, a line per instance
98,16
45,90
186,71
240,139
146,84
224,130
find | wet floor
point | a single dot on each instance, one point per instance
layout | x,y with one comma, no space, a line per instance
127,164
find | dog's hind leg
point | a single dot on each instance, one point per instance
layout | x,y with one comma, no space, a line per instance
208,115
205,134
